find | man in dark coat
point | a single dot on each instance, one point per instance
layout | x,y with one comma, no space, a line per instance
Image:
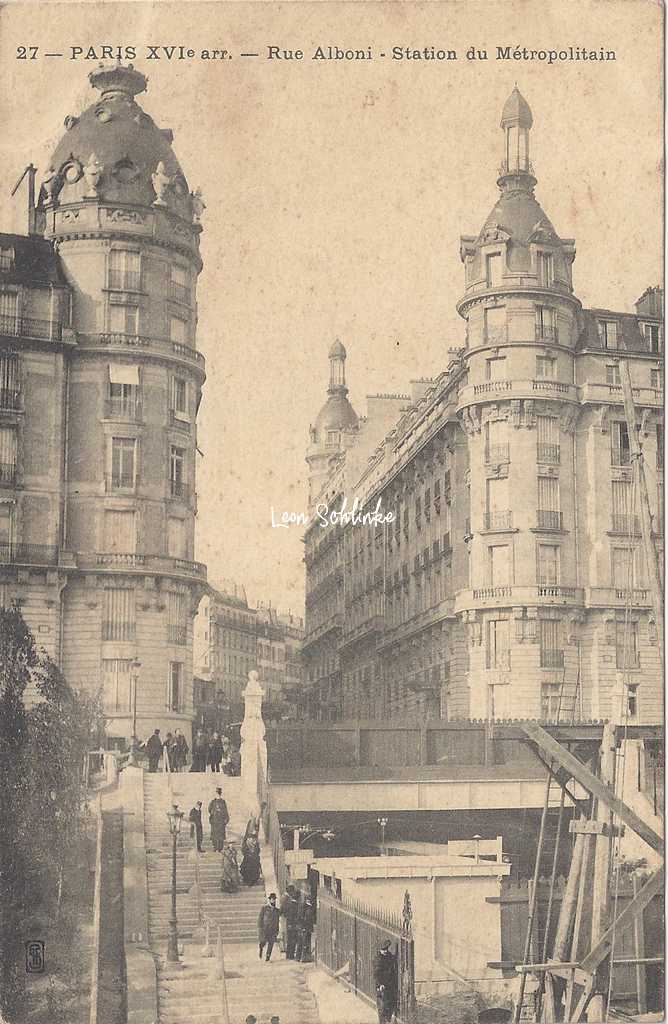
195,818
290,911
200,747
180,755
154,751
218,819
215,752
267,926
385,978
305,924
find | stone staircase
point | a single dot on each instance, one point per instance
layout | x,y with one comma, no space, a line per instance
192,990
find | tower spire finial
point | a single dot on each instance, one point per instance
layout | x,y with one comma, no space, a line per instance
516,121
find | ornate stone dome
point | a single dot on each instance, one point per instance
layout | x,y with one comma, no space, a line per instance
336,414
116,152
518,214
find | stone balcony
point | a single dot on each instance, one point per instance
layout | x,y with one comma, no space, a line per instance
143,344
521,388
162,565
513,595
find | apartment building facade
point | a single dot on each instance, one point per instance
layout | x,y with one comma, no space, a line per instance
512,580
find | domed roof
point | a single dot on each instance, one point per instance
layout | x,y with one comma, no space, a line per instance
519,214
127,144
516,110
337,351
336,414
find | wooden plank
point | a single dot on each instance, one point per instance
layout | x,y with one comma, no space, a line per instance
649,890
639,952
581,774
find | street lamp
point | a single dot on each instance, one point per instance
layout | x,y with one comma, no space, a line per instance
302,833
383,825
174,818
134,678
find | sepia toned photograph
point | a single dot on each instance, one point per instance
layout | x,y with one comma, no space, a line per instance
332,512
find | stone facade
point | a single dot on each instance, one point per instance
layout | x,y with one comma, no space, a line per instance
512,581
110,384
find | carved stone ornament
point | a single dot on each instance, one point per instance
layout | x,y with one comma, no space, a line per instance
92,173
495,233
603,422
70,122
161,182
646,422
69,216
198,205
568,419
125,216
50,183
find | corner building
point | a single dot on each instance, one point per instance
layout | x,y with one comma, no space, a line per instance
513,577
103,439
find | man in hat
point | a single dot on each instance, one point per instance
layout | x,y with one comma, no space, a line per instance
305,923
290,911
195,818
385,978
267,926
154,751
218,819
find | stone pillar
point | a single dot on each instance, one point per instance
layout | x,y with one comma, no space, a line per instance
253,743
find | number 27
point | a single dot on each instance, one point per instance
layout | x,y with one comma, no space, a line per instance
26,52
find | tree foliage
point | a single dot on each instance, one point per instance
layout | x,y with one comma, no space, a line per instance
42,790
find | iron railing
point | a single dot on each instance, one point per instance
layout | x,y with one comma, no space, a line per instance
549,519
551,658
499,520
180,292
123,408
629,525
27,327
120,630
10,399
7,474
28,554
179,489
550,453
497,453
348,937
620,456
177,635
546,332
125,280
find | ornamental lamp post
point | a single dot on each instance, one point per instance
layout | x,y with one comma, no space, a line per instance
134,679
383,825
174,817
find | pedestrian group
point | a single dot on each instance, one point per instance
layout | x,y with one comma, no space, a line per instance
213,752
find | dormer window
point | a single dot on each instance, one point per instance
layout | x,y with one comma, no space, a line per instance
493,264
545,269
6,259
607,333
333,437
652,334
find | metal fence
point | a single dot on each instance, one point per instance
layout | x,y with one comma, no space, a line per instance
348,937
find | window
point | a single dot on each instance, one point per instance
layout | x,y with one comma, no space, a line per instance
612,374
180,399
8,311
180,283
623,519
656,378
498,644
119,531
607,333
177,621
123,390
6,259
547,434
177,457
620,448
116,684
497,449
118,620
494,267
124,270
548,565
495,324
176,538
551,647
659,446
10,387
498,515
545,269
123,320
632,700
627,568
626,641
175,686
499,565
495,369
549,516
5,533
177,330
123,463
546,367
652,334
333,437
8,453
546,323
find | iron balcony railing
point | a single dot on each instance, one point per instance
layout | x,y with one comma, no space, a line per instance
629,525
123,408
549,519
497,453
179,489
28,554
550,658
549,453
177,635
495,335
28,327
10,400
499,520
7,474
180,292
116,482
620,456
627,658
125,280
118,630
546,332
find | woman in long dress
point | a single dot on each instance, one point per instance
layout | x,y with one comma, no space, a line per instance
230,880
250,865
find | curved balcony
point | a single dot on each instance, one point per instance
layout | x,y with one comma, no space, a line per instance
513,595
495,390
117,561
140,343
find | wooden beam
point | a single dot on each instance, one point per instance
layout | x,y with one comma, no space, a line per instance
649,890
592,784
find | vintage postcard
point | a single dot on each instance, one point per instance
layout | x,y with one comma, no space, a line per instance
331,512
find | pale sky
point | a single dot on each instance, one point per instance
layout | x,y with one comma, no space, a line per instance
336,193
